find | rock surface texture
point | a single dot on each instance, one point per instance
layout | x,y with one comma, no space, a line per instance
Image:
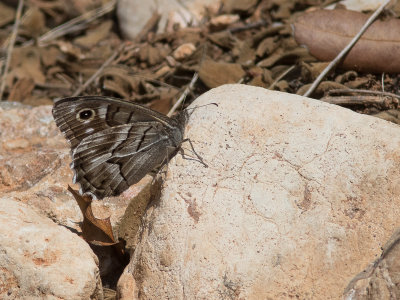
41,260
298,198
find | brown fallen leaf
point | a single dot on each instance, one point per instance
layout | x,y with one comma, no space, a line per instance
95,231
93,36
21,90
98,233
7,14
240,5
25,63
326,32
33,22
214,74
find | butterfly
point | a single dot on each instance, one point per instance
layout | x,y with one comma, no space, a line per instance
115,143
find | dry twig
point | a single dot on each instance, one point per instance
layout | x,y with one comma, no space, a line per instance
280,77
184,94
351,91
359,99
11,47
77,23
98,72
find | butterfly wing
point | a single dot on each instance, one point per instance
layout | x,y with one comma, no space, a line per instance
79,117
108,162
114,143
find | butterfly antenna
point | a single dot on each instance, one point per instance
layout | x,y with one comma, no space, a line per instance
188,89
199,158
193,108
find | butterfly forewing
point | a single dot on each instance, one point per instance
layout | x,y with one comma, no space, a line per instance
115,143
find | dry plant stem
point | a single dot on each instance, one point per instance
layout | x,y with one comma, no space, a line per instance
350,91
98,72
77,23
280,77
183,96
338,58
364,100
248,26
11,47
155,81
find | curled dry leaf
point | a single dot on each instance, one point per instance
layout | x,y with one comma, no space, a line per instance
326,32
94,230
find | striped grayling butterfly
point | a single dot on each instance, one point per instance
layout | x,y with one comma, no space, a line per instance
115,143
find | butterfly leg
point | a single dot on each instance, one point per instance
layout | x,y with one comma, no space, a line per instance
199,158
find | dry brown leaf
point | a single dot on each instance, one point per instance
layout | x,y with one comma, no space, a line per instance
392,115
122,77
266,47
116,87
33,22
6,14
96,231
223,39
244,53
21,90
93,36
214,74
25,63
240,5
287,57
327,32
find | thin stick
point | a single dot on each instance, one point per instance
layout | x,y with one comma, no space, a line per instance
248,26
280,77
185,93
77,23
360,99
334,62
11,47
350,91
98,72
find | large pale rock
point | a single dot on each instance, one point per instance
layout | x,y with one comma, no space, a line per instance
298,198
41,260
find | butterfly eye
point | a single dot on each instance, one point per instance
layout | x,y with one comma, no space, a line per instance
85,114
